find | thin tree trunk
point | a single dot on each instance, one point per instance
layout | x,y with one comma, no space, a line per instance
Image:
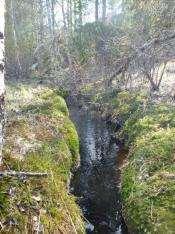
48,7
161,75
15,39
55,44
2,88
40,23
103,10
80,14
69,16
96,10
152,83
63,15
51,21
53,16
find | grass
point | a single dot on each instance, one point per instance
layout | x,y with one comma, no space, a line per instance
39,138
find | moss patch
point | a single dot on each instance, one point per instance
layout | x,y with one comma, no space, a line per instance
39,138
148,177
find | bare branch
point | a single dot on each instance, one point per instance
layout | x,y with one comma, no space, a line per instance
126,61
22,174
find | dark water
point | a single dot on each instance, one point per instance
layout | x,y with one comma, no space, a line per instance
97,181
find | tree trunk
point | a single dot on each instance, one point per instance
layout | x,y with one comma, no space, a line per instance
40,22
103,10
13,7
48,7
69,17
53,16
154,86
63,15
96,10
80,13
161,75
2,88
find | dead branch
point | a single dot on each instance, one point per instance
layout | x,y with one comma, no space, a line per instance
126,61
162,73
22,174
166,175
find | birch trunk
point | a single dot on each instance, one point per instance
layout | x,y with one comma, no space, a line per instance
96,10
103,10
2,87
15,39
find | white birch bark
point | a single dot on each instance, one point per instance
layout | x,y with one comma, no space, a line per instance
2,86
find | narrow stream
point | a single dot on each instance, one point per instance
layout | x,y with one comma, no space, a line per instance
96,183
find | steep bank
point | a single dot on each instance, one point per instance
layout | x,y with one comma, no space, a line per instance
39,138
147,127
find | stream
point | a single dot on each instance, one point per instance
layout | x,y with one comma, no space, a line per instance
97,181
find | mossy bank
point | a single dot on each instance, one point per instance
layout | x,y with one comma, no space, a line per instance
148,176
39,137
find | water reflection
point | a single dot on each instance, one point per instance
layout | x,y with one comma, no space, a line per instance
96,182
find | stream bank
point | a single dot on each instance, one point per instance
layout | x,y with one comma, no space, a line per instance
97,181
40,140
148,132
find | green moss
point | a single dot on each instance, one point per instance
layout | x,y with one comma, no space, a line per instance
71,137
153,118
148,184
148,199
41,139
48,103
